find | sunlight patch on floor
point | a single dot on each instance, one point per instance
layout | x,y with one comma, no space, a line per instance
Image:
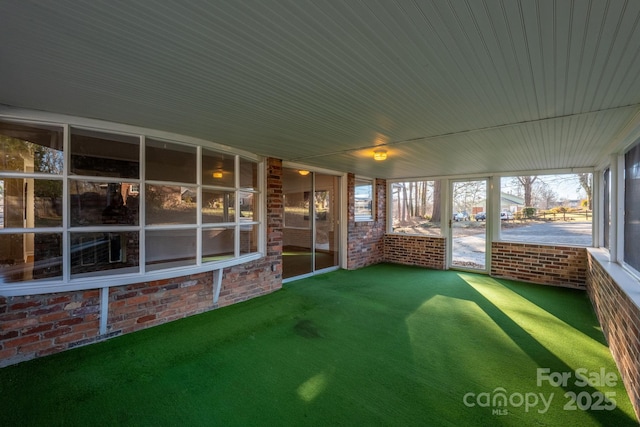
451,335
550,331
313,387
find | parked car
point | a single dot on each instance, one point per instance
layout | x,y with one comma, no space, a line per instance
461,216
506,215
481,216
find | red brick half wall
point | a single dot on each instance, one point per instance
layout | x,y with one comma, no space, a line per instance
423,251
546,265
616,298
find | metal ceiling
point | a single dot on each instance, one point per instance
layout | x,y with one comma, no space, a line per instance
449,87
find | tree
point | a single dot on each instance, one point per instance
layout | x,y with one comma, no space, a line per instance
435,217
547,196
586,182
423,198
527,186
403,208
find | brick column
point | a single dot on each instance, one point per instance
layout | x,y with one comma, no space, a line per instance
365,240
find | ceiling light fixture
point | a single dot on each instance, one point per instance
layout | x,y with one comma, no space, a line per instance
217,174
380,155
303,172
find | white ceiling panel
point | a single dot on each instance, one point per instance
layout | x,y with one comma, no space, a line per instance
451,87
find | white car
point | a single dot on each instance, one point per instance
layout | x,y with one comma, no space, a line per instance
506,215
461,216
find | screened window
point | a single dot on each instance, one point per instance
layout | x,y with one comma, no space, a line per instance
548,209
606,217
632,208
113,210
415,207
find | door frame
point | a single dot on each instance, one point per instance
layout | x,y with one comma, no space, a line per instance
341,229
448,211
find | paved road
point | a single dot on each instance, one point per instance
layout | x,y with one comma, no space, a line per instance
563,233
470,250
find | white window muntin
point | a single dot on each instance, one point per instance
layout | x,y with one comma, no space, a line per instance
69,283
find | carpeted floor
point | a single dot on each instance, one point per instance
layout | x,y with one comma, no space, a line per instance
384,345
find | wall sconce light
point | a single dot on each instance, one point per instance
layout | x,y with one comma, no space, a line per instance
380,155
217,174
303,172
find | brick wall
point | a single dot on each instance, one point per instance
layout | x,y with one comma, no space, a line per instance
141,305
274,220
365,239
545,265
620,321
38,325
424,251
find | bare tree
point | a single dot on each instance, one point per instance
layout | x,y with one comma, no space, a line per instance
545,195
424,187
527,186
437,186
586,182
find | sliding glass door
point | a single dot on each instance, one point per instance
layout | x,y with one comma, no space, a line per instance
311,227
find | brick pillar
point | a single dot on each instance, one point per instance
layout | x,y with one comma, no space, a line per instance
275,214
365,240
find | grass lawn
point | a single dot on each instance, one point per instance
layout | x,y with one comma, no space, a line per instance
384,345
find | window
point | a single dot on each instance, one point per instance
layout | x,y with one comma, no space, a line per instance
132,204
364,200
103,214
606,212
632,208
31,168
548,209
415,207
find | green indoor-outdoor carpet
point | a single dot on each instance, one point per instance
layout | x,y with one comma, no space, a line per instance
384,345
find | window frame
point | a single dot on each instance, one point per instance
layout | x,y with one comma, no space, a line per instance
67,282
607,212
505,237
621,236
437,231
362,182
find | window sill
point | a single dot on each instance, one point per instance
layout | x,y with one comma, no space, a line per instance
627,282
97,282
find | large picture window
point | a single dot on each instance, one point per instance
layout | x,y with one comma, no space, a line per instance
125,204
415,207
547,209
632,208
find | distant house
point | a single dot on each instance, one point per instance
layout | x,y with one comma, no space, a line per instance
511,203
508,202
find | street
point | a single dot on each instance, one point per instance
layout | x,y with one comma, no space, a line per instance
469,251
